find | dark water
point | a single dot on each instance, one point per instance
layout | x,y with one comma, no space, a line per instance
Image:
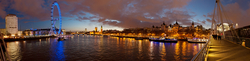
96,48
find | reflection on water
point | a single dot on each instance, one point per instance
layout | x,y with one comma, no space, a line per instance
89,47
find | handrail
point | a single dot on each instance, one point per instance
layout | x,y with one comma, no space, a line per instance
239,40
8,56
202,54
5,55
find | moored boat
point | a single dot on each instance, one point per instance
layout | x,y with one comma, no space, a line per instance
197,40
163,40
138,38
61,39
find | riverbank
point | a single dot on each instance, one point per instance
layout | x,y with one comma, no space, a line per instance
27,38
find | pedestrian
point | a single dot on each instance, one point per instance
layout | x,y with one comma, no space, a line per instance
219,37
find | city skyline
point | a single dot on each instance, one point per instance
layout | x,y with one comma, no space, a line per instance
120,14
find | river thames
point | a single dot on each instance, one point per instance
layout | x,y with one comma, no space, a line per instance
98,48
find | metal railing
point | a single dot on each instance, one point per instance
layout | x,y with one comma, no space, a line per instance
4,55
241,40
202,54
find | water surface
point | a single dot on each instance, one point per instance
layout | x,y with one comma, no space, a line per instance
87,47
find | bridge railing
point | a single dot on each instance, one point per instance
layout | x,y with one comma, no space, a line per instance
241,40
202,54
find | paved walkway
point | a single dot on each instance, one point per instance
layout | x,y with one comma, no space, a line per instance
223,50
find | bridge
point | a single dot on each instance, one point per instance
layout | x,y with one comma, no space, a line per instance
228,49
227,42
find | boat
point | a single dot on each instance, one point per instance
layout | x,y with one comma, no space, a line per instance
105,35
197,40
141,38
163,40
182,39
61,39
121,36
138,38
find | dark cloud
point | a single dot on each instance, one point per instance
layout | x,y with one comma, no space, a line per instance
120,13
136,13
35,9
204,16
203,22
209,20
3,5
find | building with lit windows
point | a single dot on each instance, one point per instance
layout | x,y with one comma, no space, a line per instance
37,32
11,24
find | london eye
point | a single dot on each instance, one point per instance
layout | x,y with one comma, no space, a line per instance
53,20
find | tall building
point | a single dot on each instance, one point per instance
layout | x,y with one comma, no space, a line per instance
163,26
85,29
101,28
95,29
11,24
192,27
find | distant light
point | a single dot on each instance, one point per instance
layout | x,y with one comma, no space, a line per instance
12,35
5,36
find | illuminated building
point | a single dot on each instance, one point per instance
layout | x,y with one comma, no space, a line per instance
85,29
172,30
163,26
95,29
175,27
63,31
20,33
11,24
37,32
101,29
226,27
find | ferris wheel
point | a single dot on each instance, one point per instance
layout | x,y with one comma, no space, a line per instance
53,29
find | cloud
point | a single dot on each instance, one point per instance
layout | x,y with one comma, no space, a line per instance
203,22
204,16
209,20
123,13
3,5
35,9
136,13
30,21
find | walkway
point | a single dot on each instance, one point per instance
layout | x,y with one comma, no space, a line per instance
223,50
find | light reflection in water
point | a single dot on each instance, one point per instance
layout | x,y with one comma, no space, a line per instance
177,51
58,52
163,52
195,50
91,48
184,46
140,46
14,51
151,50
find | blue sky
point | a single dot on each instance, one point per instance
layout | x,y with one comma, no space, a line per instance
78,15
